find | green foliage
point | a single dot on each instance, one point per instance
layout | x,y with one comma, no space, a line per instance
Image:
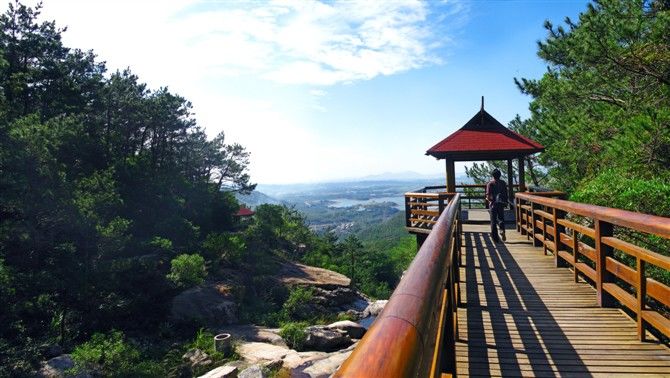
297,306
294,334
228,248
188,270
604,102
110,355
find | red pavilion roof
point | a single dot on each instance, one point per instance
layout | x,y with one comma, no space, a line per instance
244,212
483,138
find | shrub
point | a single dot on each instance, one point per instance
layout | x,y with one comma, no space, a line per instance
111,356
294,334
188,270
297,306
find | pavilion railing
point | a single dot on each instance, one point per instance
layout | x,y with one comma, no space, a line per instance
423,209
590,239
415,333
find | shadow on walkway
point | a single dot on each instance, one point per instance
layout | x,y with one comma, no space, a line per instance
512,306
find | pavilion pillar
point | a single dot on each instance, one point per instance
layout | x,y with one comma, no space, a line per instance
451,176
510,178
522,174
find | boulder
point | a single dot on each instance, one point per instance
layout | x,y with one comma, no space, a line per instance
327,340
211,305
253,371
221,372
197,357
255,333
262,353
353,330
56,367
293,274
374,308
323,367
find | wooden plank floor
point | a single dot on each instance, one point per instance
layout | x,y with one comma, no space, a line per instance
521,316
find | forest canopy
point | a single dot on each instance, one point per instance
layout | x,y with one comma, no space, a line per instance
103,181
602,109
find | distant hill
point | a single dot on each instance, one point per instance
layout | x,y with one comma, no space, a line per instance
256,198
399,176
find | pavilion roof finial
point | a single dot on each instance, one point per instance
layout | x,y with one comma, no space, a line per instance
481,113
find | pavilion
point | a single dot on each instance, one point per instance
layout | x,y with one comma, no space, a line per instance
484,138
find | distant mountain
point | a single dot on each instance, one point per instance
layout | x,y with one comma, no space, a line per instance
399,176
256,198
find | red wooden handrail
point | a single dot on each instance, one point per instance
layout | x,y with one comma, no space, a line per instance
544,221
638,221
402,341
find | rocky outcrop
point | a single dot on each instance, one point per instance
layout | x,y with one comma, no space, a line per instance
253,371
262,353
293,274
252,333
375,308
324,339
323,367
211,305
197,357
224,371
56,367
352,330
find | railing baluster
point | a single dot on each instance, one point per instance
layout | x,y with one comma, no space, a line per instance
575,253
602,229
641,299
533,226
558,229
408,212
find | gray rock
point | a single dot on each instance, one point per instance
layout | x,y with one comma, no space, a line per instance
262,353
353,330
211,305
322,367
56,367
327,340
253,371
374,308
221,372
250,332
197,358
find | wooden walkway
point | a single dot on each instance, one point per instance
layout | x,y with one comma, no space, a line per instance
521,316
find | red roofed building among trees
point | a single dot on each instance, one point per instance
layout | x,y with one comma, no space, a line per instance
244,212
484,138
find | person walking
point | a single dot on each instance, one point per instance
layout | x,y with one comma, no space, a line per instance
496,199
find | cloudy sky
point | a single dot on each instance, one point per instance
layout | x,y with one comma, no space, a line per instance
324,90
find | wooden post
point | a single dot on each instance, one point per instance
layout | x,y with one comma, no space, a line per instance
522,174
517,214
558,229
544,233
602,251
533,226
451,176
641,302
510,179
408,212
575,253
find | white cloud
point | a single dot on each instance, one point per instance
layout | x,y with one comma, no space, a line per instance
290,42
192,45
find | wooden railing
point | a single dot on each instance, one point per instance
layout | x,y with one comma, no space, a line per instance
423,209
415,334
582,236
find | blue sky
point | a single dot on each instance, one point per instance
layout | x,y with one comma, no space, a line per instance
325,91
